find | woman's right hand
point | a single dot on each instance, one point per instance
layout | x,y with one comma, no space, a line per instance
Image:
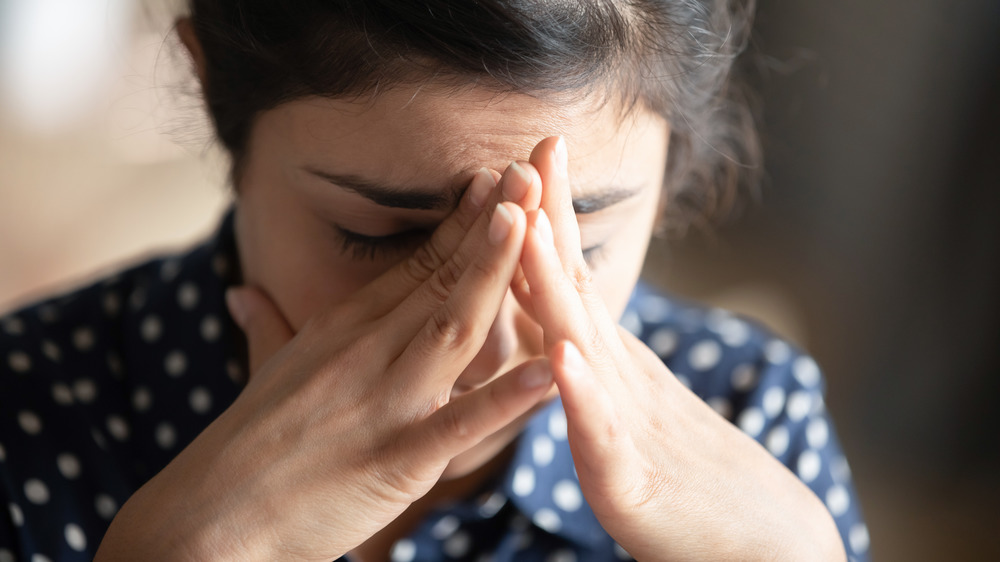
345,424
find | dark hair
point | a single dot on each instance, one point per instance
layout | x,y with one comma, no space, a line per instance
673,57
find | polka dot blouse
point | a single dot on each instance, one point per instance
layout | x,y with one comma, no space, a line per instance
101,388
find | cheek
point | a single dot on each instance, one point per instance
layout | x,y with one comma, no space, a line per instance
295,256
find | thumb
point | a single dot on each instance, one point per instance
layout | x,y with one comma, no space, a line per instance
265,327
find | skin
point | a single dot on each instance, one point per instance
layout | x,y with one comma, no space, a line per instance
381,387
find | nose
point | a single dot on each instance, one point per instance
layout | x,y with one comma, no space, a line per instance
511,340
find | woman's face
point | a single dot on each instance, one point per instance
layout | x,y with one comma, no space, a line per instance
305,219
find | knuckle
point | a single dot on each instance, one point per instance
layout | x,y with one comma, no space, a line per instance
424,261
583,279
453,424
448,332
445,278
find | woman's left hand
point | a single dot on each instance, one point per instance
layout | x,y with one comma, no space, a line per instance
667,477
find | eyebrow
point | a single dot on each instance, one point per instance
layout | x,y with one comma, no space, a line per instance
425,198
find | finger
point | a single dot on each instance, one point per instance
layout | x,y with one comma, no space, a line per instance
550,158
265,327
389,289
590,413
470,418
521,185
450,315
557,304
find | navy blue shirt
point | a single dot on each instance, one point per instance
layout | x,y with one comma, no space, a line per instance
102,387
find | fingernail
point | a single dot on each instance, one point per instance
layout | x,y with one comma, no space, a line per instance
500,225
480,188
544,228
237,305
516,182
536,375
574,361
562,157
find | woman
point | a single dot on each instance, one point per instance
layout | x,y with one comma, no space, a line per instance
408,315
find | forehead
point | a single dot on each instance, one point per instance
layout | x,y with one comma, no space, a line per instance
439,135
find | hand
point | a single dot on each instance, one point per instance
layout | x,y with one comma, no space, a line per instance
345,424
667,477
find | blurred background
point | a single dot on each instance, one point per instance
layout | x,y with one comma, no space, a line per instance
876,243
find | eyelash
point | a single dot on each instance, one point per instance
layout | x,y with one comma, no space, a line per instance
364,247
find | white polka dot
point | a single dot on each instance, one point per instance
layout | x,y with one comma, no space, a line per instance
137,299
806,371
200,400
557,425
166,437
543,450
524,480
106,506
653,308
705,355
631,322
69,466
75,537
457,545
777,352
840,469
777,441
99,438
858,537
621,553
403,551
83,339
744,377
562,555
210,328
721,406
13,325
663,342
118,427
773,401
16,515
187,296
142,399
817,433
751,421
734,332
169,270
40,558
566,495
51,351
492,505
19,361
445,527
112,304
809,465
29,422
799,403
6,555
548,520
175,363
838,500
85,390
36,491
62,394
151,328
48,313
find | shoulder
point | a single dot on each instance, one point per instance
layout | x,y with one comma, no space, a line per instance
739,367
